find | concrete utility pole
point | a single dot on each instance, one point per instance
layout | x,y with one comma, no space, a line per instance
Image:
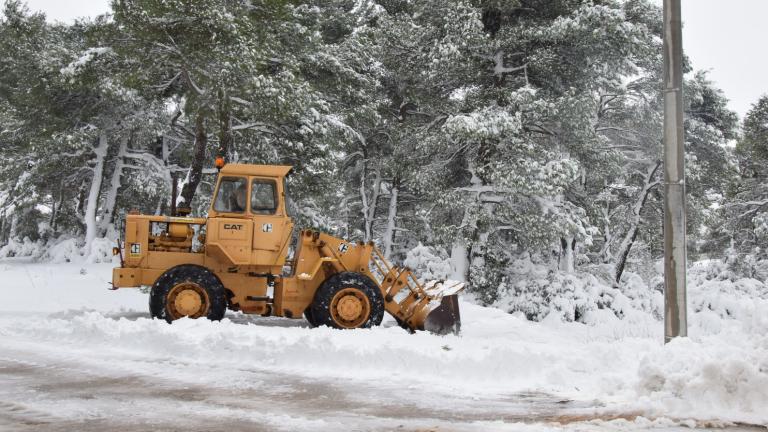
675,319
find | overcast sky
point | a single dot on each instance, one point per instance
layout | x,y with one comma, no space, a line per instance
725,37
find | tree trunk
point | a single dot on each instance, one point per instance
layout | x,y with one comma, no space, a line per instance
171,177
92,206
459,261
567,254
54,211
80,207
160,207
225,125
2,229
55,215
479,249
14,226
195,173
605,251
174,193
389,235
634,223
462,255
108,215
369,207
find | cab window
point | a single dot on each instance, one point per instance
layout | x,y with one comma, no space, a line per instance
231,196
263,197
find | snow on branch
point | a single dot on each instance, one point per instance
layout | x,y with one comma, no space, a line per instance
88,56
165,85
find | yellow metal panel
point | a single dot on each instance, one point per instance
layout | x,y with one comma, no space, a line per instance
125,277
292,297
226,254
235,230
166,260
149,276
160,218
130,231
229,240
136,237
269,233
256,170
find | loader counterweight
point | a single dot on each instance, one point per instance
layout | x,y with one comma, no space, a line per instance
242,248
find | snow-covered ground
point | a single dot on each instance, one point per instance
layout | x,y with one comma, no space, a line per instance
76,356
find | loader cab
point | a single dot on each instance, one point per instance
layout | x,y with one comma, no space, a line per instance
248,224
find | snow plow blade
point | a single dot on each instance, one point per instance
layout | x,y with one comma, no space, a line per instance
445,318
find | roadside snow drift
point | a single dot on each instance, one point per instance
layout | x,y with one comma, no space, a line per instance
622,366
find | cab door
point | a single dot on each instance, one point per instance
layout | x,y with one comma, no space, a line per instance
229,240
271,226
230,230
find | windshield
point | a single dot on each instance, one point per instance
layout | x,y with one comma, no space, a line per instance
232,194
263,197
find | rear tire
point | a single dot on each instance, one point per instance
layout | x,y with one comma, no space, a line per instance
347,301
187,290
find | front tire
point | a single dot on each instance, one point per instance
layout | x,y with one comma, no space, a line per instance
309,317
347,301
187,291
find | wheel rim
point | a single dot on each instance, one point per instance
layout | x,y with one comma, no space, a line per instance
350,308
187,299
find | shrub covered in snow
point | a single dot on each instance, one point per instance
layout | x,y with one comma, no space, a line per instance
61,250
24,248
536,290
64,251
428,263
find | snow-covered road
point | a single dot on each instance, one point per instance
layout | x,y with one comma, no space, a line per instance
62,388
74,356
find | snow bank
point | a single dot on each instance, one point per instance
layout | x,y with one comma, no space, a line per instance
719,373
32,288
723,366
724,375
61,250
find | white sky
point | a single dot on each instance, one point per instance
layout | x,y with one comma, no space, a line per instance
724,37
68,10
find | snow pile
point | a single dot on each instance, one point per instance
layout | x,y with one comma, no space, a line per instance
723,366
726,374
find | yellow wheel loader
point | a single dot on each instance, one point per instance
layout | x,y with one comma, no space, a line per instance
237,259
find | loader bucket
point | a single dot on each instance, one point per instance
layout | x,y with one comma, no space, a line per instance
436,310
445,318
433,306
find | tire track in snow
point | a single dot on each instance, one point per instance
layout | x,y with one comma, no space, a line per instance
134,402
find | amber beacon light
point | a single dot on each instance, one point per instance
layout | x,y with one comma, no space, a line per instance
219,162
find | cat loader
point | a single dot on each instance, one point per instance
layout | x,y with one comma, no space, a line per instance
237,259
